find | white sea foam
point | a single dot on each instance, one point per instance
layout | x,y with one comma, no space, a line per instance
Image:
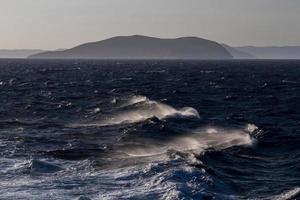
289,195
197,140
143,110
216,138
162,178
251,128
134,100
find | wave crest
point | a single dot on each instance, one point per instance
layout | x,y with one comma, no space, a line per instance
289,195
140,108
197,141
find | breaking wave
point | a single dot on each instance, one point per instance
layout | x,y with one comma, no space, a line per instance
196,141
140,108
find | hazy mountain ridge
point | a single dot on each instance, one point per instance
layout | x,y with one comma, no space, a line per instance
238,54
142,47
18,53
275,52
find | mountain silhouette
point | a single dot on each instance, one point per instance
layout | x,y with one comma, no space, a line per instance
142,47
238,54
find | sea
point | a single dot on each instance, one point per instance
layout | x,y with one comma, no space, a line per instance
149,129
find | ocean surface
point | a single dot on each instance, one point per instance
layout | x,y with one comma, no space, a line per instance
94,130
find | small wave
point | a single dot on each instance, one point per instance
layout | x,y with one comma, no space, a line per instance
9,166
140,108
43,167
32,166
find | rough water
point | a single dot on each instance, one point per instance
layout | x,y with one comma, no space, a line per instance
149,130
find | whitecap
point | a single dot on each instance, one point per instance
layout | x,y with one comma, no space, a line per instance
251,128
142,110
196,141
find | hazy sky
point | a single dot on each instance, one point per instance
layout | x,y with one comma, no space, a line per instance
52,24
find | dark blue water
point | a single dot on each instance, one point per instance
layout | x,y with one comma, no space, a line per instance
149,129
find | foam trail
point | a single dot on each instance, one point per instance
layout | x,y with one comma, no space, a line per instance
216,138
198,141
140,108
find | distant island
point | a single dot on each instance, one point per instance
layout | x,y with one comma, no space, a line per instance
237,53
142,47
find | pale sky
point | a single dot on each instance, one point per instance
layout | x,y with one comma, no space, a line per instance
53,24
